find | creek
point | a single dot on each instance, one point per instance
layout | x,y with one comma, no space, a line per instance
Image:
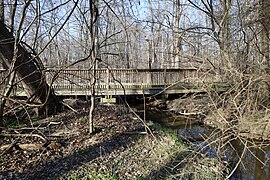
255,161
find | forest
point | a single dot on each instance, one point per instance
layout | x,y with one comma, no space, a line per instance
222,44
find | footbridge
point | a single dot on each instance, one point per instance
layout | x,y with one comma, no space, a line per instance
130,81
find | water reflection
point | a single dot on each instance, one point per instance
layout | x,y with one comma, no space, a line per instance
254,162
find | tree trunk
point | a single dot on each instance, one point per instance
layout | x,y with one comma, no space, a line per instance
176,36
264,47
2,11
29,71
1,22
265,42
93,35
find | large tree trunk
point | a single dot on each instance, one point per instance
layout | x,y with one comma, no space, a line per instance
1,21
264,16
29,70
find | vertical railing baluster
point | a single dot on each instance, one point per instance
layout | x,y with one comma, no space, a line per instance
108,79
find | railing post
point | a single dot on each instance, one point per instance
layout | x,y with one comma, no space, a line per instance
165,77
149,78
108,79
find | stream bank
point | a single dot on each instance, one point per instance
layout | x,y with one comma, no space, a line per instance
243,145
203,109
120,148
253,126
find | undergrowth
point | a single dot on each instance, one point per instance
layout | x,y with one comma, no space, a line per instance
147,156
160,155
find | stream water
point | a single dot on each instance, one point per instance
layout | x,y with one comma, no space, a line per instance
254,164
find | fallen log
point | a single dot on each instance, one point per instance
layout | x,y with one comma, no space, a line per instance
29,147
7,148
26,147
26,135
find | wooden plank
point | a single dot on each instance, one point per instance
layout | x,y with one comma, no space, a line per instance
76,81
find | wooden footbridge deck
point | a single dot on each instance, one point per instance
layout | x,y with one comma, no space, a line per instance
130,81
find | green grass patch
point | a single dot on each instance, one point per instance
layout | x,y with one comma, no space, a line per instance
255,117
165,131
14,124
83,119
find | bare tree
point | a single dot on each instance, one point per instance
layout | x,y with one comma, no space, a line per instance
27,65
93,36
29,70
264,16
2,11
2,18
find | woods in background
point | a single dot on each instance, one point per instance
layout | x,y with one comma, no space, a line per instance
229,37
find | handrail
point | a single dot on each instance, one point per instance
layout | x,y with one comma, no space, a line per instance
72,79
